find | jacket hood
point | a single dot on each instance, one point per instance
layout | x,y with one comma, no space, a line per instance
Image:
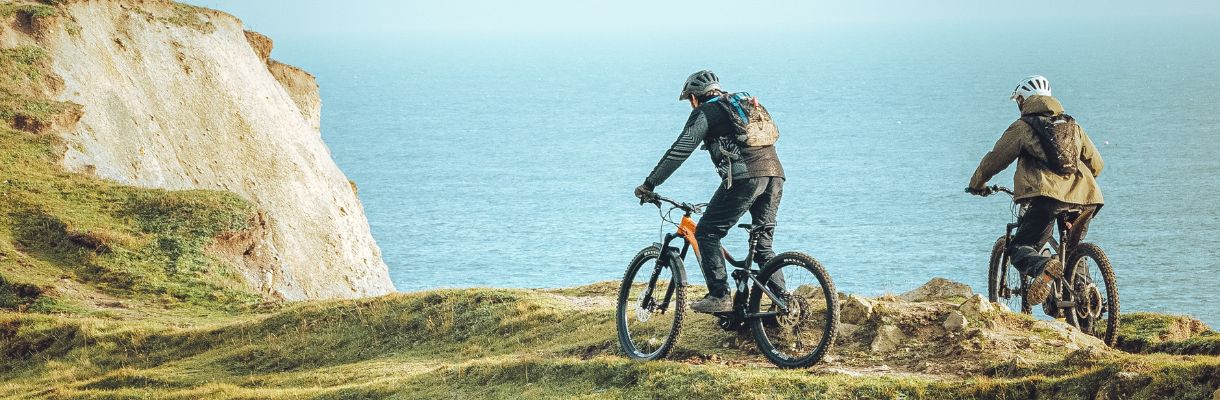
1041,105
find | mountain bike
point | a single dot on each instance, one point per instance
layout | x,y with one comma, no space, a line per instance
794,325
1086,296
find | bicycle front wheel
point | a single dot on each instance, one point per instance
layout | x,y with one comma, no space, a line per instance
651,304
803,331
1004,282
1095,291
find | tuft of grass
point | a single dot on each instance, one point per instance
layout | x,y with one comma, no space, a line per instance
15,295
190,16
1173,334
24,78
41,9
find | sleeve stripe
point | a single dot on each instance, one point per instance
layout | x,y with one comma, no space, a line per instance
687,142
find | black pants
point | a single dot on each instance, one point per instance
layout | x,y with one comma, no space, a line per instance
759,196
1035,229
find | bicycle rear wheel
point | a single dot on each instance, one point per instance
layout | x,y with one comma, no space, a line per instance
651,304
1095,291
803,334
1004,282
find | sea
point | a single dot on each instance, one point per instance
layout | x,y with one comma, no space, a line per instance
510,160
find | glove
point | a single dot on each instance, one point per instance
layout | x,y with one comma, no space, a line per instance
644,193
984,191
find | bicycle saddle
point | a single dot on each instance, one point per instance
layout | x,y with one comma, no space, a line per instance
1072,215
747,227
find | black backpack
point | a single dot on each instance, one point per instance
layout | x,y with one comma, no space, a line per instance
1057,134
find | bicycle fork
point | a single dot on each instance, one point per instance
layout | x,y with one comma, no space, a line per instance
669,257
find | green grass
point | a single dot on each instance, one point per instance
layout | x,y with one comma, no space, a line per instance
29,9
189,16
485,343
23,81
1172,334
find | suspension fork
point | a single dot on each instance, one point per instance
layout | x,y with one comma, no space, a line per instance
673,283
669,257
1007,257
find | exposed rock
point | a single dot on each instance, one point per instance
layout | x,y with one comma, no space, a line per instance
938,289
888,338
955,322
847,330
975,307
261,44
1003,308
1073,338
303,88
202,106
856,310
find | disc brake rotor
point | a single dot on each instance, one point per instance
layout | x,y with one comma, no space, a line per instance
1090,302
642,314
793,316
643,310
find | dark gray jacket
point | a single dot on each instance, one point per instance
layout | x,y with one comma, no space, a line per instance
710,125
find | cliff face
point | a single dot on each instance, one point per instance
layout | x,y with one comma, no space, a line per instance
179,97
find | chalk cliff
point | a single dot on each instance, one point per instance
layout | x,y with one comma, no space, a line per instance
179,97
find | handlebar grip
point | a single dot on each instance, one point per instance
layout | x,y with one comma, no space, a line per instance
1000,189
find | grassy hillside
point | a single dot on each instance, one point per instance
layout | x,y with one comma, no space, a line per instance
493,343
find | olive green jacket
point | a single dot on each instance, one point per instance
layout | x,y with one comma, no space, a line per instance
1020,143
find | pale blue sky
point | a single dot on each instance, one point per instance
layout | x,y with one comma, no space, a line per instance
480,17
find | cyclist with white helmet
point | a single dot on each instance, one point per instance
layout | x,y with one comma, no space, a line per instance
752,180
1057,167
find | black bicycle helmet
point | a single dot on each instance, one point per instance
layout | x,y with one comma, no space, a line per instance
700,83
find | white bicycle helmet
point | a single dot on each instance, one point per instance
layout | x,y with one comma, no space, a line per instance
1034,85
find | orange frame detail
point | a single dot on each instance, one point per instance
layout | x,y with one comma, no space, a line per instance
686,229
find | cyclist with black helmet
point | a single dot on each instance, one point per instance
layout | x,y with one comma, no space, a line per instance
1057,167
752,181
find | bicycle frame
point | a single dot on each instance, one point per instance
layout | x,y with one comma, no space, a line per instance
1069,237
743,272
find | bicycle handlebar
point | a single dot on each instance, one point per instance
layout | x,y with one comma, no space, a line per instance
1001,189
990,190
687,207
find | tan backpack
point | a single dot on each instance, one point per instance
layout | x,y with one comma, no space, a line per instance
752,124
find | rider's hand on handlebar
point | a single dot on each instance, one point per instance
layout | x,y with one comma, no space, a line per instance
645,194
984,191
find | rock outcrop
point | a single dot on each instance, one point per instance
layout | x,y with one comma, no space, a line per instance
938,289
932,330
179,97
